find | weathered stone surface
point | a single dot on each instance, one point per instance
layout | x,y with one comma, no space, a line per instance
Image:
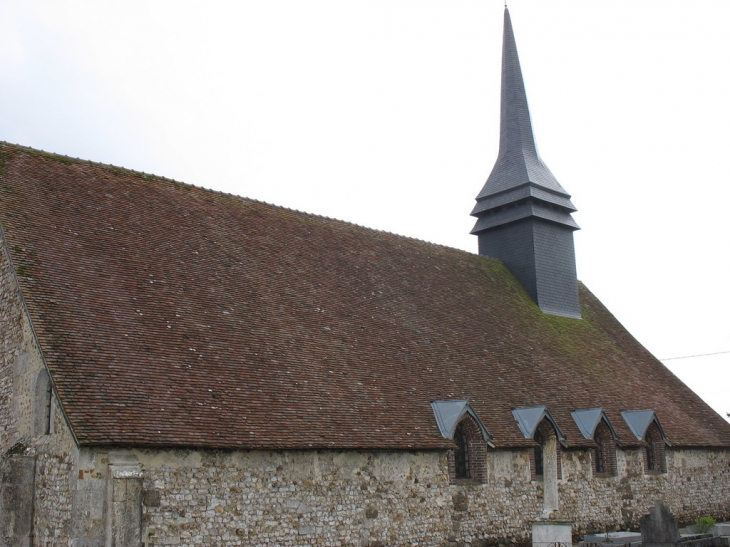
125,522
151,497
371,512
16,499
460,501
297,498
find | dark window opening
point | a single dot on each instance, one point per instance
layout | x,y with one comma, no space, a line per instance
49,411
605,451
461,455
654,451
468,459
600,458
539,462
650,456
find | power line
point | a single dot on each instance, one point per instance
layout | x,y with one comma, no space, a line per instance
698,355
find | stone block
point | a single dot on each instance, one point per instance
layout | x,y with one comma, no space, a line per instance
16,499
460,501
152,497
90,503
91,485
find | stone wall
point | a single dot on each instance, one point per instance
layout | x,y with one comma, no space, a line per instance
177,497
37,451
385,498
55,484
296,498
13,358
697,484
38,489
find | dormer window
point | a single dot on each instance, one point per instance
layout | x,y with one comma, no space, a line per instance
537,423
595,425
468,460
645,425
458,421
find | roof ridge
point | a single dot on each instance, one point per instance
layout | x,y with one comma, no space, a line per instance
54,155
147,176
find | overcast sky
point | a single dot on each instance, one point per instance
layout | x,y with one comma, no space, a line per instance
386,113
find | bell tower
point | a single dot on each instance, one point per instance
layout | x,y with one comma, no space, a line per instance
523,214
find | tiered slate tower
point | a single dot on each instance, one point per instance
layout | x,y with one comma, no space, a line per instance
524,215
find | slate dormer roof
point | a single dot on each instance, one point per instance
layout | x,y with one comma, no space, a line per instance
169,315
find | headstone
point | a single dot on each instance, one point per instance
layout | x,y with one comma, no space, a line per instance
551,533
633,539
659,527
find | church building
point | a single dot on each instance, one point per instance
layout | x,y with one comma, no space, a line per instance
180,366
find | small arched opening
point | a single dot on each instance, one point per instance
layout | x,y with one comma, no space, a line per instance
546,450
655,460
468,460
604,454
42,392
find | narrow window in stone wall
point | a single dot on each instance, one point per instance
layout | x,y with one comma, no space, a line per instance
604,455
469,459
539,465
655,460
544,431
461,454
650,457
600,461
48,426
42,404
546,464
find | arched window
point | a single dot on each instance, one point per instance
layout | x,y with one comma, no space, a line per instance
604,455
545,436
468,460
545,462
42,404
654,454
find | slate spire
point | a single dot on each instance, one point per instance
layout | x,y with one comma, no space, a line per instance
523,213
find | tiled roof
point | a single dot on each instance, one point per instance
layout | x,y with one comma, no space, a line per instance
169,315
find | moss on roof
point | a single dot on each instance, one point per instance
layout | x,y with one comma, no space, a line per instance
196,318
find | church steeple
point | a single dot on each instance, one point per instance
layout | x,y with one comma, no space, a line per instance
523,213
